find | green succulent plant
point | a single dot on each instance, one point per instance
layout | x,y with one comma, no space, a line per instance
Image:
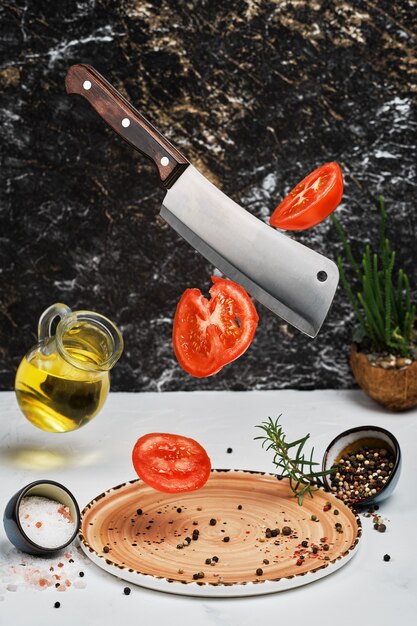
380,295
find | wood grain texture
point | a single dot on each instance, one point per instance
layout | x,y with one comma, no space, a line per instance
139,529
137,131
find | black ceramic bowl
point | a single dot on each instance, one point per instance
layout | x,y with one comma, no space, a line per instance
349,438
47,489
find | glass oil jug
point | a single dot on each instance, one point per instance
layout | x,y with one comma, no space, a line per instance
63,381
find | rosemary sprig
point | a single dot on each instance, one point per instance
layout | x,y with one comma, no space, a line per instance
289,457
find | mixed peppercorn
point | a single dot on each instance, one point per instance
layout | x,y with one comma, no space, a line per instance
361,473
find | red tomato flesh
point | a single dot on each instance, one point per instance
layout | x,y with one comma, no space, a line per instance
311,201
208,334
171,463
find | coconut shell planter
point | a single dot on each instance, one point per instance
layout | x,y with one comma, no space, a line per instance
395,387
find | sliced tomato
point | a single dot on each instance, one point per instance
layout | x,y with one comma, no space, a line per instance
208,334
171,463
311,201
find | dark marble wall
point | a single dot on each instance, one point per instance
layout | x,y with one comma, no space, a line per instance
256,93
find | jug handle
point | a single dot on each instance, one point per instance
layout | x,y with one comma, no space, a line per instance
47,318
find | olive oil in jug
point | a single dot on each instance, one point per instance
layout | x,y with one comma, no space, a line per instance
63,382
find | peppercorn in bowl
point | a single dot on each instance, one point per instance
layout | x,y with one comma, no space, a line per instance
367,465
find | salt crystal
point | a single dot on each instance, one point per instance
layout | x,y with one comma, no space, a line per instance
23,571
46,522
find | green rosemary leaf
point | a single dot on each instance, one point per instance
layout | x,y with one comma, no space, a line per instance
292,462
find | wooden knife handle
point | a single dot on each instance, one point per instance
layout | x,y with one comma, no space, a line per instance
123,118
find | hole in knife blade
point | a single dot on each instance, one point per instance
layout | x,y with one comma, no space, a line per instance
322,276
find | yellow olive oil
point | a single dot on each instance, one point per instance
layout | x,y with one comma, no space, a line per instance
59,390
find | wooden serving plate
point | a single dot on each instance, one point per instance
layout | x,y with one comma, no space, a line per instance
133,531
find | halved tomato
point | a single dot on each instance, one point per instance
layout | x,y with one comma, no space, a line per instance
311,201
208,334
171,463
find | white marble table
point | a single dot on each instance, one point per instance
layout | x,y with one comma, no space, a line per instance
97,457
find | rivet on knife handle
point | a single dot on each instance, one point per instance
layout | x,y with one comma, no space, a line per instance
126,121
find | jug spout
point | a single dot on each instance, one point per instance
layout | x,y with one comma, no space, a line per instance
85,339
89,341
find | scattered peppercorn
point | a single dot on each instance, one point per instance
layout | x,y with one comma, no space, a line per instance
299,562
139,511
57,605
314,518
213,522
229,450
106,549
326,547
381,528
127,591
179,510
81,574
226,539
335,512
71,561
188,539
198,575
327,507
180,546
259,571
239,507
315,549
208,561
265,562
286,530
387,557
304,544
215,559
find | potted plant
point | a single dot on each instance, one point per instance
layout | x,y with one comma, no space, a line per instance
383,357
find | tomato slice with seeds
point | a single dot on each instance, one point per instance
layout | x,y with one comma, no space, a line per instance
208,334
311,201
171,463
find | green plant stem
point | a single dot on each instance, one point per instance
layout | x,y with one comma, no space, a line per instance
296,467
380,299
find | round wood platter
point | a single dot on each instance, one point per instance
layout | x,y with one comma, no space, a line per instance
133,532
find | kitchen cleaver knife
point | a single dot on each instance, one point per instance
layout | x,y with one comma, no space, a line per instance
293,281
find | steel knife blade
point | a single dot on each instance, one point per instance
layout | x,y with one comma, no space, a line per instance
292,280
